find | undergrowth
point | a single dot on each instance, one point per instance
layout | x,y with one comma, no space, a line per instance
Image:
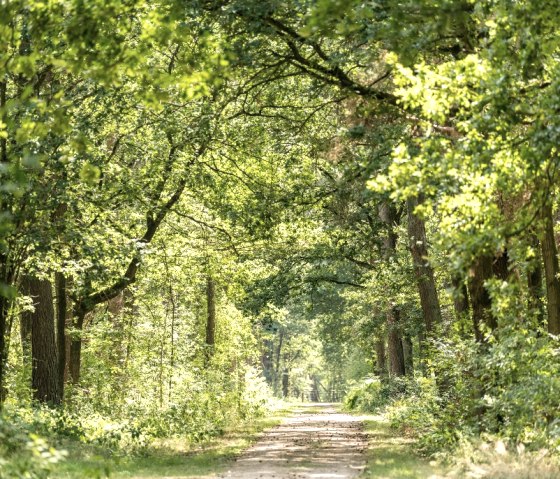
485,395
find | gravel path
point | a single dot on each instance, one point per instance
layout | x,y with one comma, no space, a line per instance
317,442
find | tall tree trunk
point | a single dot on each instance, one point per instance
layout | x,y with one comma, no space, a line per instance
388,214
534,285
500,266
76,345
285,383
131,311
44,376
380,357
267,361
5,305
408,356
429,300
172,342
61,315
480,298
25,325
460,297
394,343
277,362
551,269
210,317
7,279
422,352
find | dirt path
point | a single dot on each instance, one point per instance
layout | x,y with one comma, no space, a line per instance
317,442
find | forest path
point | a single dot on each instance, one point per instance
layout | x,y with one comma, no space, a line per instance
316,442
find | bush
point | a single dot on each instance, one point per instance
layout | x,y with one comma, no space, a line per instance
507,390
373,394
24,455
493,460
434,422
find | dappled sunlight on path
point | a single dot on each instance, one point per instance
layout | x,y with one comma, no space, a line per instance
317,442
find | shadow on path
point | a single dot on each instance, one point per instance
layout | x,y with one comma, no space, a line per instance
317,442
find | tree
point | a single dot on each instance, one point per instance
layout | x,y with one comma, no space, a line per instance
45,374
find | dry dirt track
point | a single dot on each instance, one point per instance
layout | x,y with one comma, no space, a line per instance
317,442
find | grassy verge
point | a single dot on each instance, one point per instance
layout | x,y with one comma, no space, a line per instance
391,456
171,458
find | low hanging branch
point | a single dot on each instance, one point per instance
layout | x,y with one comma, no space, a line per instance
154,219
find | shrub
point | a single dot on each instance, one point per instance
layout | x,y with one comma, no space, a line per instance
494,460
372,394
24,455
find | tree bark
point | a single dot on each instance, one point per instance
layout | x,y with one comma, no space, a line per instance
500,266
210,317
480,298
551,269
394,343
5,305
380,357
427,290
460,298
267,361
61,315
534,285
76,346
6,271
408,355
25,325
44,376
277,361
285,383
388,214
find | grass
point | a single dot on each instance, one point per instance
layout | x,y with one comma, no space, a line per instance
391,456
169,459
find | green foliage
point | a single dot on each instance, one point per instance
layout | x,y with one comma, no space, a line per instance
374,394
149,146
23,454
509,392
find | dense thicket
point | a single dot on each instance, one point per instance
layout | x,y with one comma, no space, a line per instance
198,195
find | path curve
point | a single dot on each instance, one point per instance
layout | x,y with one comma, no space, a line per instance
316,442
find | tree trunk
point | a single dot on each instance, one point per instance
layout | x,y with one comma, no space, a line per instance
172,342
429,300
210,317
422,351
500,266
44,376
267,361
6,273
277,362
460,298
551,269
25,325
394,342
480,298
285,383
408,355
76,346
380,357
5,305
534,285
61,315
388,214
